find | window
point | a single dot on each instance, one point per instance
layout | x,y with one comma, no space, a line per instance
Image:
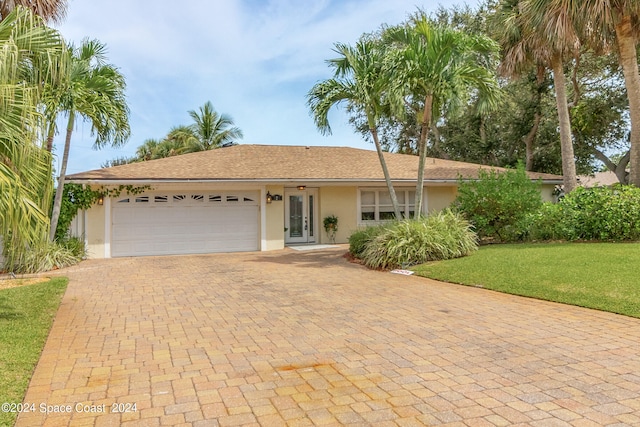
161,199
375,204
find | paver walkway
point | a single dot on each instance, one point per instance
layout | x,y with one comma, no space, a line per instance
306,338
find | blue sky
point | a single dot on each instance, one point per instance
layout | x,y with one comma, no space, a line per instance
254,60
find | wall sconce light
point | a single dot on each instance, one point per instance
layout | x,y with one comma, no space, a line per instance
269,197
301,187
101,200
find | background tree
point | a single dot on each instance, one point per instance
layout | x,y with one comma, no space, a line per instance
210,129
606,24
533,37
93,91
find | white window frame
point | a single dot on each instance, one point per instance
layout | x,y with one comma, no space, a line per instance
409,203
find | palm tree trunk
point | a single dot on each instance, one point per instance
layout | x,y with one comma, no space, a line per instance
50,135
57,202
422,153
529,139
629,62
566,143
385,171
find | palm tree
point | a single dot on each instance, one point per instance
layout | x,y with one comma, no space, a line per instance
209,130
147,149
439,66
30,54
94,92
530,36
607,24
360,81
48,10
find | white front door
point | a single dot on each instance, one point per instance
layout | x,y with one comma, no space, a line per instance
300,216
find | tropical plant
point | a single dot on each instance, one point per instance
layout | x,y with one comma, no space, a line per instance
330,224
533,37
209,130
438,67
94,92
31,55
359,239
48,10
362,83
439,236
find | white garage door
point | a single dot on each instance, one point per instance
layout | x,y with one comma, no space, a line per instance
184,223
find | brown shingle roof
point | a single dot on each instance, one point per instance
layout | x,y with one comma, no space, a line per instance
284,162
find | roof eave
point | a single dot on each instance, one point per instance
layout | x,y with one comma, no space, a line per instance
147,181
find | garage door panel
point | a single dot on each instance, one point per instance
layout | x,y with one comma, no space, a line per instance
191,224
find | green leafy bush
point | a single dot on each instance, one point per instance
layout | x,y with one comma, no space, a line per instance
360,238
602,213
498,202
439,236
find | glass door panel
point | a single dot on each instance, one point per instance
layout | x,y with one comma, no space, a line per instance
296,219
296,216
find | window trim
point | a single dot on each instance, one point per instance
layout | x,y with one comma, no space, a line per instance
406,208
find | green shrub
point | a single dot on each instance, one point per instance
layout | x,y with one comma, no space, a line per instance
498,202
603,213
547,223
360,238
439,236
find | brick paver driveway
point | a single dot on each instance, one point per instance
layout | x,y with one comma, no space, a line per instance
306,338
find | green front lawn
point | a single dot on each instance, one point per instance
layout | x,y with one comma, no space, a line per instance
603,276
26,315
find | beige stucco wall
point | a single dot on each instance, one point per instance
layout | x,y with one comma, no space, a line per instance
341,202
440,197
94,231
274,220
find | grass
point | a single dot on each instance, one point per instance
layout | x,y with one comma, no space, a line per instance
602,276
26,315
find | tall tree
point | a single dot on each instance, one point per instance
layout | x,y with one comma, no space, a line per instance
531,36
48,10
94,92
606,24
438,67
30,54
361,82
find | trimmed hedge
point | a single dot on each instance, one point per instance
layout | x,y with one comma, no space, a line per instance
601,213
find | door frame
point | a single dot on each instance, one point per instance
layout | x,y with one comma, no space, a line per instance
310,214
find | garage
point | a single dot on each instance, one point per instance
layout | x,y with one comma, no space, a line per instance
184,223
